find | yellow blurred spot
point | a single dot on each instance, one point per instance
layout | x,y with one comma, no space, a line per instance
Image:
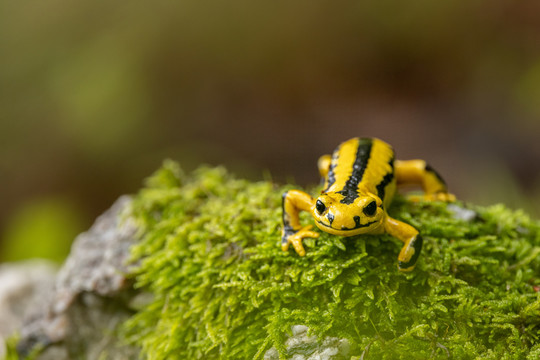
43,228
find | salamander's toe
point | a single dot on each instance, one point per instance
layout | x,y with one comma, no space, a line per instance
298,247
443,196
296,240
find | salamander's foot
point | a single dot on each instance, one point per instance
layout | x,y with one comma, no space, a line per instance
409,254
438,196
295,238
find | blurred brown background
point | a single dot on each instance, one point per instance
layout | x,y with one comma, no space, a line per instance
94,95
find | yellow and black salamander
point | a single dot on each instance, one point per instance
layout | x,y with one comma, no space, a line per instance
360,180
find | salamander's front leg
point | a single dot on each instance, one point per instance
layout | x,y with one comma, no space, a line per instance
419,172
295,201
412,242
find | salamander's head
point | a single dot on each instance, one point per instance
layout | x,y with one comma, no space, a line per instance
345,215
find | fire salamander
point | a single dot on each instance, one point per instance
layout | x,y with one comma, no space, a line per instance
360,180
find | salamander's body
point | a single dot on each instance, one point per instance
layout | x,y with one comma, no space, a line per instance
360,182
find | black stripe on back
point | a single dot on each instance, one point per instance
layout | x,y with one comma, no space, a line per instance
363,153
387,179
331,177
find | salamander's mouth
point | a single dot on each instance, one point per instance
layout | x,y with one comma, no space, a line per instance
343,228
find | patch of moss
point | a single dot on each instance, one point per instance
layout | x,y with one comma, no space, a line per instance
11,349
210,254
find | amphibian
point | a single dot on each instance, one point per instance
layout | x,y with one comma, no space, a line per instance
360,180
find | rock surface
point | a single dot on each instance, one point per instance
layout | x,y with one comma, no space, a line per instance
300,346
22,287
78,318
74,316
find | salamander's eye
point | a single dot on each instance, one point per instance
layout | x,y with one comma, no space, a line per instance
320,206
370,208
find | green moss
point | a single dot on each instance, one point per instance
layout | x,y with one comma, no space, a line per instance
11,349
210,254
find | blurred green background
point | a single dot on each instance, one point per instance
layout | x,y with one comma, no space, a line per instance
95,94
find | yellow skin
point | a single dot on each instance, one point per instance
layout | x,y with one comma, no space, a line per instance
360,182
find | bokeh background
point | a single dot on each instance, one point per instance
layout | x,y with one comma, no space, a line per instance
95,94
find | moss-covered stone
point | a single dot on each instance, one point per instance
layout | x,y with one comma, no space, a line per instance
210,254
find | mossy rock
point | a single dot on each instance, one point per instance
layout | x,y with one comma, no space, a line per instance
222,288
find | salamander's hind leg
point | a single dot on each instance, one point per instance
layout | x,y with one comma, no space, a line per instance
324,165
293,233
419,172
412,242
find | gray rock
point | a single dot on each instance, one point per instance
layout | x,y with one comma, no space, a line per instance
22,286
462,213
300,346
90,296
76,318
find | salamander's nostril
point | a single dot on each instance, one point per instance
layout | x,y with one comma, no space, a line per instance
330,218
